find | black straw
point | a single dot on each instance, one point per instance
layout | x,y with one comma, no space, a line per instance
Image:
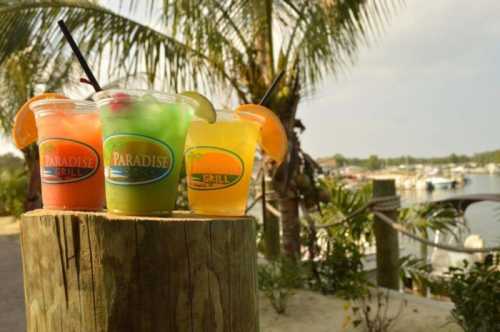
271,88
79,56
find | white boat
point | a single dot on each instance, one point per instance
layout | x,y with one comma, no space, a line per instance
422,184
441,183
492,168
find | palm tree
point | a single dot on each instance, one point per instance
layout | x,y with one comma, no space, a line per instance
214,45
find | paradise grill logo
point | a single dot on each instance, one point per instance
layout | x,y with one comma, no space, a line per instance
131,159
64,160
212,168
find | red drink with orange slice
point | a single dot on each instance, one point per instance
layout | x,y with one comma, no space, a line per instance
70,147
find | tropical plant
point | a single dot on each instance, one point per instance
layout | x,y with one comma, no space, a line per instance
22,72
421,220
344,202
371,312
340,272
277,279
336,266
210,44
416,273
13,186
475,291
424,218
10,162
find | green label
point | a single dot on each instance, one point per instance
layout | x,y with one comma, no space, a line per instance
131,159
212,168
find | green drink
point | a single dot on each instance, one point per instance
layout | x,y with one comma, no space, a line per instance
144,134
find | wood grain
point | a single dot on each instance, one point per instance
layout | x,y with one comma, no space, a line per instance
99,272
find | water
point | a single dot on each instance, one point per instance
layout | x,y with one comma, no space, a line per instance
482,218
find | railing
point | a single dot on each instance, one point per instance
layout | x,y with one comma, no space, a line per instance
385,206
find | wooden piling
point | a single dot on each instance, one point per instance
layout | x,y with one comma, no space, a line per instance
386,238
97,272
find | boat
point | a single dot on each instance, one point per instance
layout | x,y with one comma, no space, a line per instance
440,183
492,169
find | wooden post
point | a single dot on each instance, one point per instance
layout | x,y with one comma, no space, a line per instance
386,238
97,272
420,286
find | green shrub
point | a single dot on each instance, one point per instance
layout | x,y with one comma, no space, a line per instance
277,279
475,291
13,189
337,267
371,312
341,271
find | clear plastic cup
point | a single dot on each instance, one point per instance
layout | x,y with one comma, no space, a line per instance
70,149
219,161
143,140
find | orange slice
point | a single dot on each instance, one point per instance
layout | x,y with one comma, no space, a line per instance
274,141
24,130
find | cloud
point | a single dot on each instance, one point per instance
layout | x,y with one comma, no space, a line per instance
428,86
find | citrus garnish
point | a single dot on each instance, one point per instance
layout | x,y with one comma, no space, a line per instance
204,109
24,130
274,141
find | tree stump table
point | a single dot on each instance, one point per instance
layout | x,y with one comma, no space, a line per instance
98,272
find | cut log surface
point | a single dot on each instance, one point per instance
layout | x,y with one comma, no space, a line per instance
100,272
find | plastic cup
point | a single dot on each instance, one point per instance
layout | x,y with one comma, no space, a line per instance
219,162
70,148
143,140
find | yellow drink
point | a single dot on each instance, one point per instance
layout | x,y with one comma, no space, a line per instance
219,161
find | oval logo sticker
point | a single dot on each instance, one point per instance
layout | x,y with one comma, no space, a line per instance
212,168
131,159
64,160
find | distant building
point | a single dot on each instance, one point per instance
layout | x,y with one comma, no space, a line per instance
328,163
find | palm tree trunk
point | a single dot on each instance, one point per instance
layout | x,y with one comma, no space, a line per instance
289,208
271,222
288,196
34,197
285,106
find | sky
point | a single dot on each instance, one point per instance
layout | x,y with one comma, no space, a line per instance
428,85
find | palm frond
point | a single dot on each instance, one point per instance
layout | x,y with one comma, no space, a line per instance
203,43
130,46
26,70
325,35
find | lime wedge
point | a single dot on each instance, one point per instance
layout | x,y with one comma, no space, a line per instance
204,108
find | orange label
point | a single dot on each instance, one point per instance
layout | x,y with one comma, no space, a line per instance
65,160
212,168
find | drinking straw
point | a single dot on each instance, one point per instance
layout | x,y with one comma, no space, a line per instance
271,88
263,102
79,56
86,81
263,188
